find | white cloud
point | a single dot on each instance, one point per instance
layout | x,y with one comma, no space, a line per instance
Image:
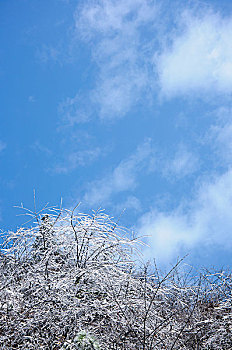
219,136
2,146
167,234
221,139
200,57
123,177
141,48
182,164
78,158
131,203
114,31
115,95
112,17
207,220
74,110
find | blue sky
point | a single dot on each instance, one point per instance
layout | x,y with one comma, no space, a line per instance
122,104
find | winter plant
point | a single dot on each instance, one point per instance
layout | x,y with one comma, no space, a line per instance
82,341
71,271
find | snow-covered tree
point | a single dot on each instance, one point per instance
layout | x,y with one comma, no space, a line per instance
71,272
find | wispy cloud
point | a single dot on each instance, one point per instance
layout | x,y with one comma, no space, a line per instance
130,203
31,99
219,136
77,158
182,164
199,59
123,178
74,110
2,146
139,56
114,30
38,147
48,53
205,220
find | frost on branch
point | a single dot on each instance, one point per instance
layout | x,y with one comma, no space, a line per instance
72,272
